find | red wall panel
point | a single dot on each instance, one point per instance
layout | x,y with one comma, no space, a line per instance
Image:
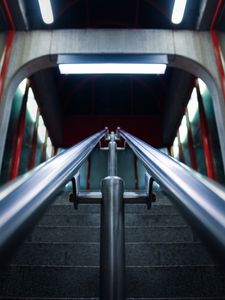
147,128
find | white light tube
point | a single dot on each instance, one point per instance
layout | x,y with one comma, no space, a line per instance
110,68
178,11
46,11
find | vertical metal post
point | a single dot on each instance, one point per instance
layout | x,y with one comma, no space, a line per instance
112,159
112,250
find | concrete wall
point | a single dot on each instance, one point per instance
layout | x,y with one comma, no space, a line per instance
191,51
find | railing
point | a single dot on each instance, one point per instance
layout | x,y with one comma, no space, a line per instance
201,201
112,241
23,200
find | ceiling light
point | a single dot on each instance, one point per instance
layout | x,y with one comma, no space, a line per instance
112,68
178,11
46,11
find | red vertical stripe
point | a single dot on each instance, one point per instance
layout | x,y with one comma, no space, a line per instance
8,47
216,45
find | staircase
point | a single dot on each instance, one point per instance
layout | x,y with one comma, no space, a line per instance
164,258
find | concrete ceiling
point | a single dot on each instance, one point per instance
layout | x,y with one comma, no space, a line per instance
66,97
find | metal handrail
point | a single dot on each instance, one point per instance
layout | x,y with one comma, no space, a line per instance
23,200
201,201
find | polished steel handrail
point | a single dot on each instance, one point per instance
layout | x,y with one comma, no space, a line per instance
202,201
23,200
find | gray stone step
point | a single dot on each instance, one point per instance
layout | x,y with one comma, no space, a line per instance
186,298
66,234
137,254
93,219
65,209
175,281
154,282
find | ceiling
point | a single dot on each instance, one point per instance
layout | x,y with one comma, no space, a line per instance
74,106
101,14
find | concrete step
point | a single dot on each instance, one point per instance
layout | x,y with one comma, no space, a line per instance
93,219
40,298
65,234
87,254
65,209
189,298
154,282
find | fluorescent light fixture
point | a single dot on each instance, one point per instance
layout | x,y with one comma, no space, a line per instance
202,86
112,68
183,129
178,11
46,11
32,105
41,130
193,105
22,86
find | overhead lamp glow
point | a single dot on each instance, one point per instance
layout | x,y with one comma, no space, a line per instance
110,68
46,11
178,11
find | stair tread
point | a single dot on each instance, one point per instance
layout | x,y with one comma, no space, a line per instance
60,258
83,281
143,253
